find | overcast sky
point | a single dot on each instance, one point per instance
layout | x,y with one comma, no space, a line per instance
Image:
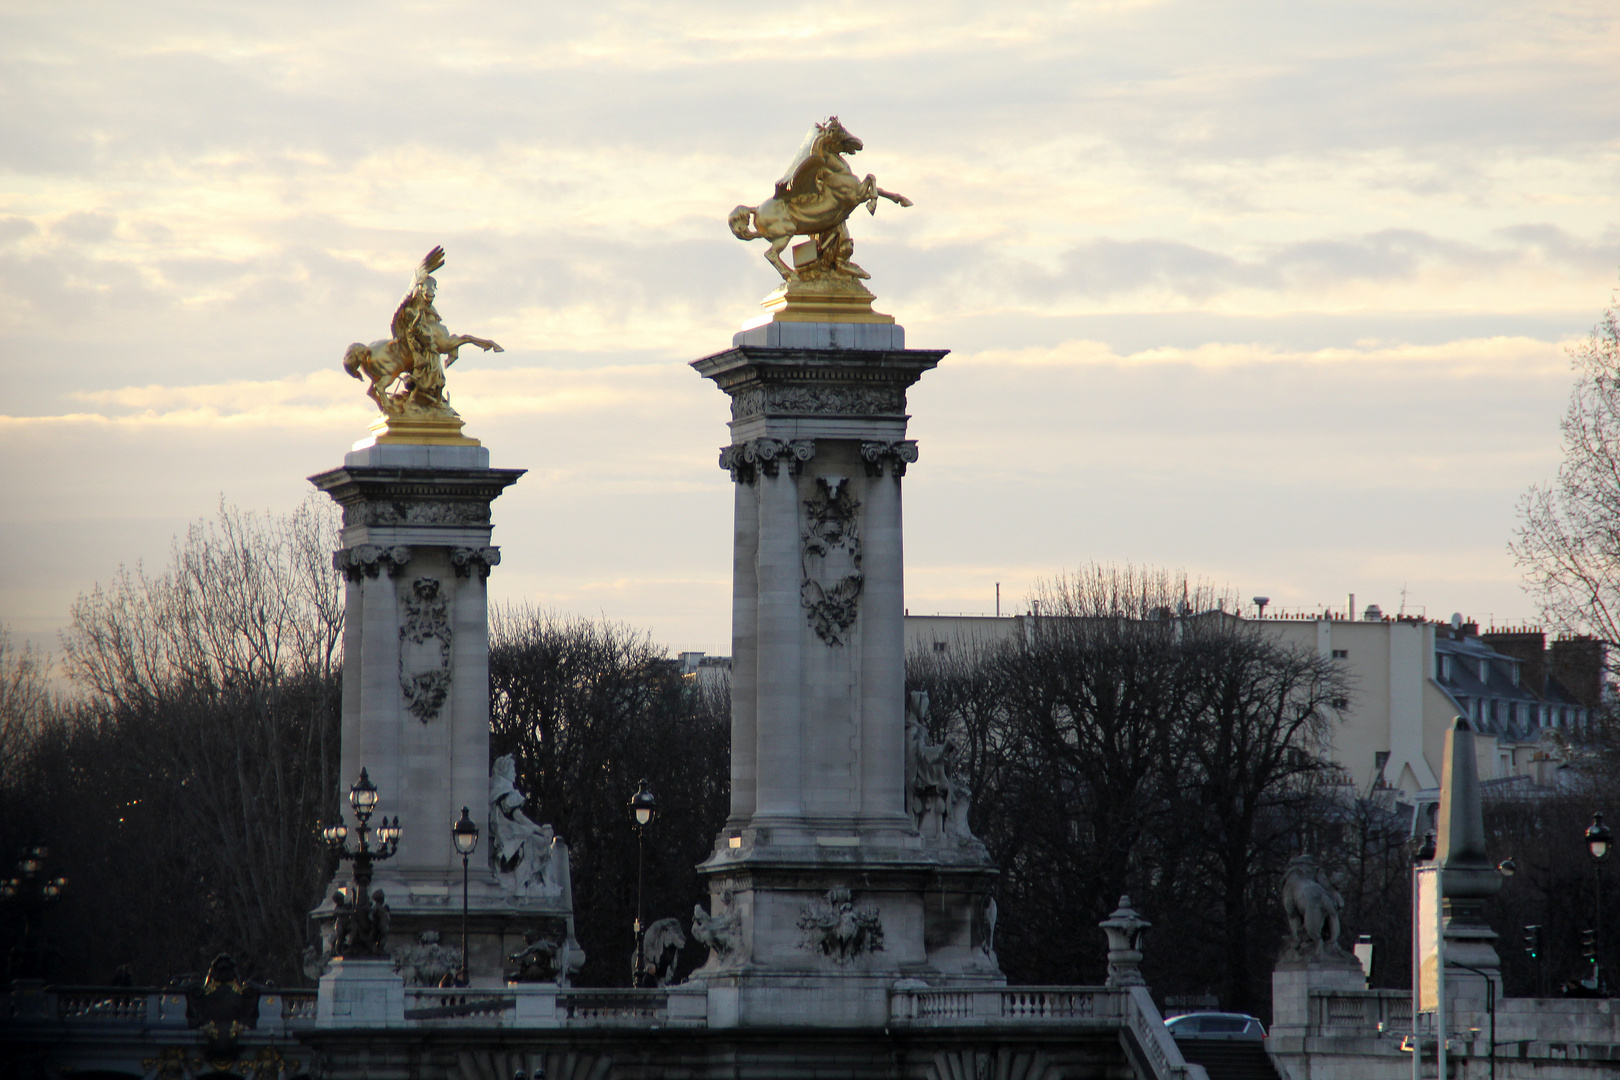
1278,294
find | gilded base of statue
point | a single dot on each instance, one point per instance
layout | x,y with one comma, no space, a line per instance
435,430
830,299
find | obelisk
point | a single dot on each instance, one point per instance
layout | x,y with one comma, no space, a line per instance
837,872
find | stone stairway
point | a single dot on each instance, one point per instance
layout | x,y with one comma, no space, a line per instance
1229,1059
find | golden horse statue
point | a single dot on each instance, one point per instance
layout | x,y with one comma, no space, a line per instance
815,198
411,358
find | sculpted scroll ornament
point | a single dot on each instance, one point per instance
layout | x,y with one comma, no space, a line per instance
746,460
837,929
897,455
406,369
831,559
468,560
424,649
367,560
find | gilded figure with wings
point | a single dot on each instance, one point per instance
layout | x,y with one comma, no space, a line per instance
406,372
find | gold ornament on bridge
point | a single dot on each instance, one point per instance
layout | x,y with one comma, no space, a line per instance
406,371
814,199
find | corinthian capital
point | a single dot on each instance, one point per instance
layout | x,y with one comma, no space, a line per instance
896,454
366,560
746,460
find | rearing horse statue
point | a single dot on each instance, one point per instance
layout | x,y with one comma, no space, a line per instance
815,198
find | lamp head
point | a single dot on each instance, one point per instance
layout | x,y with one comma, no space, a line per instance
363,797
643,806
388,832
335,833
1599,838
465,833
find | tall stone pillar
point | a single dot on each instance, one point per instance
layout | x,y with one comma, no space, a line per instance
416,555
822,880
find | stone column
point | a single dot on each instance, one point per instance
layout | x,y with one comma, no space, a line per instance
416,556
744,646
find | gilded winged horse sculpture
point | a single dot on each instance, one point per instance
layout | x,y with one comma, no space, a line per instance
411,357
815,198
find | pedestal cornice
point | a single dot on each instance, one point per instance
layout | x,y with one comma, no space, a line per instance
435,506
776,382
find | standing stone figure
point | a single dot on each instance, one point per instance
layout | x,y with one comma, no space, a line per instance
1312,905
528,857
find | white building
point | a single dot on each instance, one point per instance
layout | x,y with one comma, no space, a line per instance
1409,678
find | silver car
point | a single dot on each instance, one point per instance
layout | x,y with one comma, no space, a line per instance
1216,1025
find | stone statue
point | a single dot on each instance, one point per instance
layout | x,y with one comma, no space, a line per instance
815,198
661,946
838,930
530,858
721,934
537,961
426,962
406,372
1312,905
936,792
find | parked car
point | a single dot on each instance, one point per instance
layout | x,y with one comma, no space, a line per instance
1216,1025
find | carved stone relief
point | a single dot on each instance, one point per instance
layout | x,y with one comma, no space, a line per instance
818,400
425,962
416,513
424,648
835,928
466,560
897,455
365,560
721,932
831,559
746,460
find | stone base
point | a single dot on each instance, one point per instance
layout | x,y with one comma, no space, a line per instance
768,332
361,993
805,918
1292,982
493,935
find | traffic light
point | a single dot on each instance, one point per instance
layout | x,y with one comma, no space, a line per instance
1589,945
1532,940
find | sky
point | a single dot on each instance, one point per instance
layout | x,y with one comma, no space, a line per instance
1276,294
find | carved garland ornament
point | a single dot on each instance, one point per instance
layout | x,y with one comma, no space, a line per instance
831,559
416,513
746,460
818,400
424,649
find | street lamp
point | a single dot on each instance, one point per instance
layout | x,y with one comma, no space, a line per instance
643,809
465,835
1599,842
33,892
361,932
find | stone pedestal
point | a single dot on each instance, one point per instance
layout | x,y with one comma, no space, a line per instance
821,875
417,556
1293,981
361,993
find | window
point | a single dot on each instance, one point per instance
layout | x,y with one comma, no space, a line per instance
1442,667
1341,703
1484,671
940,646
1341,654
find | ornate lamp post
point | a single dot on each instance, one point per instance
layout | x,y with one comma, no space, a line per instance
362,929
1599,842
33,892
643,808
465,835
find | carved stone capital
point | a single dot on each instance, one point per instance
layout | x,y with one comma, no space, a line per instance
466,560
365,560
896,454
746,460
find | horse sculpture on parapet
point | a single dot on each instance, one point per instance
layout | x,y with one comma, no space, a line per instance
815,198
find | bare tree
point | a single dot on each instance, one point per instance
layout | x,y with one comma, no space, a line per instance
1568,540
25,702
207,740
